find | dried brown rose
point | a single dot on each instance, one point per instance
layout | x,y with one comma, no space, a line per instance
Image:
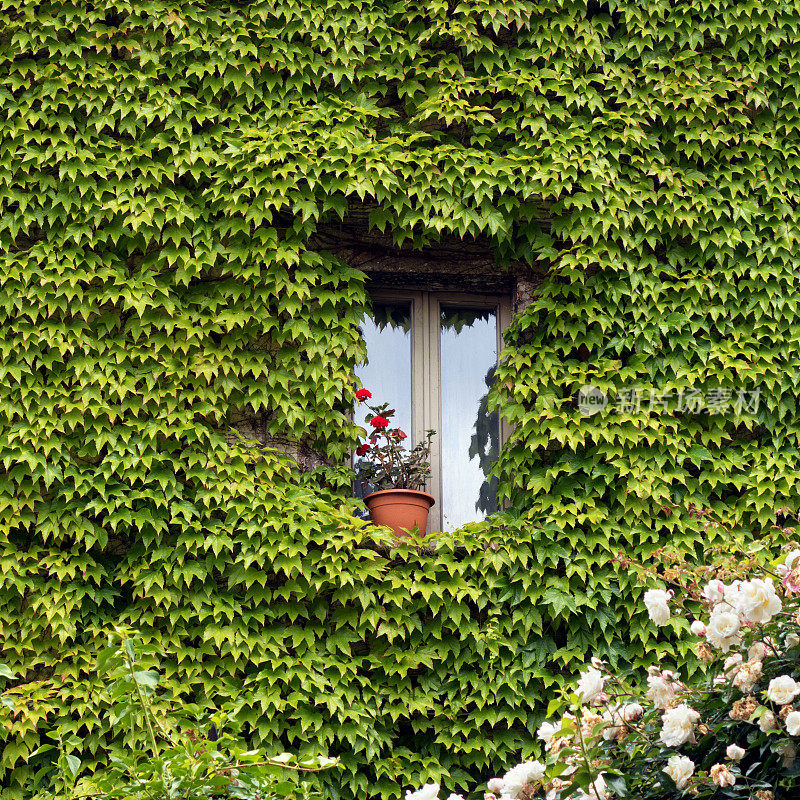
743,708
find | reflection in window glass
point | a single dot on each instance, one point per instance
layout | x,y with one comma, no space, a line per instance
470,436
387,372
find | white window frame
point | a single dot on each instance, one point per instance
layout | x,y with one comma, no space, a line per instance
426,398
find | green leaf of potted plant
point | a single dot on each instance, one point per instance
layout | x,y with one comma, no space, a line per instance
399,474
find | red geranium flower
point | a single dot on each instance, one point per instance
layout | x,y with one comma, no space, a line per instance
362,449
363,394
373,440
401,434
379,422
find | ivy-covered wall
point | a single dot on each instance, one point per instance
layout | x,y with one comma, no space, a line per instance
165,171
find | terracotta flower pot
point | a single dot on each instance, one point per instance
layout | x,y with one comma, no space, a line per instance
400,509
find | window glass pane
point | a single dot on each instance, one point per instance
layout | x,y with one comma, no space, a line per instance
387,372
470,436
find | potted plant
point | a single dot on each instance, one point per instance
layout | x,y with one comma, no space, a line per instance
397,474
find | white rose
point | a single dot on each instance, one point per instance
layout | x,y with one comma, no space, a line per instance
430,791
678,725
734,752
613,722
631,711
722,776
757,651
660,693
547,731
792,640
517,777
732,664
756,600
698,628
731,597
456,797
768,722
723,626
714,591
680,769
590,684
783,690
747,676
536,771
793,723
657,602
791,557
597,791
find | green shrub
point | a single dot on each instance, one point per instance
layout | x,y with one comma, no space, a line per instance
166,751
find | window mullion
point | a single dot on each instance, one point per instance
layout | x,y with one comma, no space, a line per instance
418,366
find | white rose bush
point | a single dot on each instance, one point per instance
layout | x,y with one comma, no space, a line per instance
729,728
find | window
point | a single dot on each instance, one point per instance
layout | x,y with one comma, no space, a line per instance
433,355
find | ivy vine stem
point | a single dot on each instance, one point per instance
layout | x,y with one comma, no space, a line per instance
142,700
